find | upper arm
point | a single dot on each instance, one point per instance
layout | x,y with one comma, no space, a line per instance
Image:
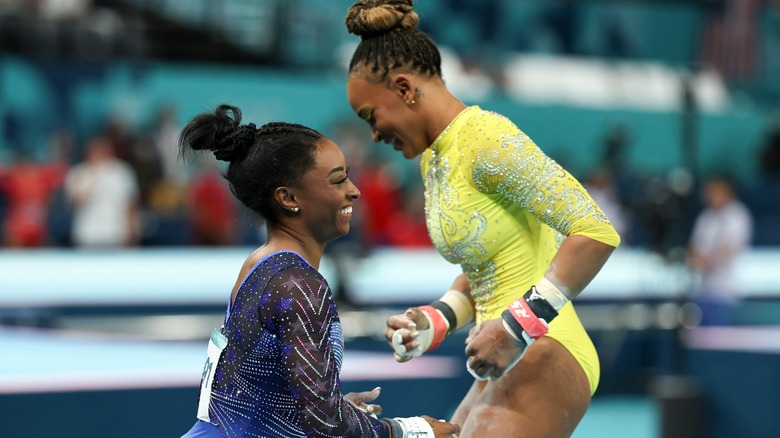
514,167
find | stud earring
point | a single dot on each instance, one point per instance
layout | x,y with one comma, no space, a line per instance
294,209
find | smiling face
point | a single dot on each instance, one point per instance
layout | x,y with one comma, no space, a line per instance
389,111
326,194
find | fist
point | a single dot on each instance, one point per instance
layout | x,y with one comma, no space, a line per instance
492,350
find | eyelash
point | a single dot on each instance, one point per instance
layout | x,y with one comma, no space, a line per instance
342,181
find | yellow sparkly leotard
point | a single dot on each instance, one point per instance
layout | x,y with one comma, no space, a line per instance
499,207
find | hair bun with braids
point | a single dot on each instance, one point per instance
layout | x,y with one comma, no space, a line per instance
370,18
243,139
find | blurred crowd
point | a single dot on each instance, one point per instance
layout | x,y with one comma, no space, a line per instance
122,186
128,188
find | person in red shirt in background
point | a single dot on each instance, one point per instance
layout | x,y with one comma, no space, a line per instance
383,200
28,187
406,227
212,211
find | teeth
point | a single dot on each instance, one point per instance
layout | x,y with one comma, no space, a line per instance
346,210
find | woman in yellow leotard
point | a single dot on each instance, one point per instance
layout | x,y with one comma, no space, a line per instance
527,235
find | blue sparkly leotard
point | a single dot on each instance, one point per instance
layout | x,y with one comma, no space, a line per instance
278,376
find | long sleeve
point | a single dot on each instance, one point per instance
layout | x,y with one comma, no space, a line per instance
516,168
305,319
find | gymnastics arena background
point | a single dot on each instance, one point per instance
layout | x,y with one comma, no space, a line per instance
649,96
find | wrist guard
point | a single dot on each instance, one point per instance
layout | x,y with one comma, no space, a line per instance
413,427
427,339
528,318
445,315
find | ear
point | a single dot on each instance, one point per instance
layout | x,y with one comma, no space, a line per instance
285,197
404,85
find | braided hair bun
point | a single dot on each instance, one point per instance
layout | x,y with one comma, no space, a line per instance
370,18
221,132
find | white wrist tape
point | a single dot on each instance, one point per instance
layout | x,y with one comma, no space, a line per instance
464,314
460,304
415,427
551,293
424,338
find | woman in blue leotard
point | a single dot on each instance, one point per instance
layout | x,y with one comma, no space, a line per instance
272,369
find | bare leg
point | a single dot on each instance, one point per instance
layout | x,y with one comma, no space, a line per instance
545,395
464,408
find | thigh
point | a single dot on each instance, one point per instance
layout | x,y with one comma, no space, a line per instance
545,395
471,398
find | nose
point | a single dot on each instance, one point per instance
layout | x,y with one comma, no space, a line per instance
353,192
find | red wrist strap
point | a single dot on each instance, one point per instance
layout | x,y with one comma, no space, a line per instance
439,326
527,319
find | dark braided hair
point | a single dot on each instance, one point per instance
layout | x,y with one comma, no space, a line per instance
390,39
277,154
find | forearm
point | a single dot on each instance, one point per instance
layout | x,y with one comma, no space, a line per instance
460,303
314,377
461,284
577,262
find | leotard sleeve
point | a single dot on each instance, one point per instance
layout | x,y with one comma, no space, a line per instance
516,168
307,323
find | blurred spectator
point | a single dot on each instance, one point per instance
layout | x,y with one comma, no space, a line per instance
162,181
121,140
617,143
147,166
618,191
406,227
211,210
602,189
382,197
60,212
165,134
28,188
103,192
720,234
